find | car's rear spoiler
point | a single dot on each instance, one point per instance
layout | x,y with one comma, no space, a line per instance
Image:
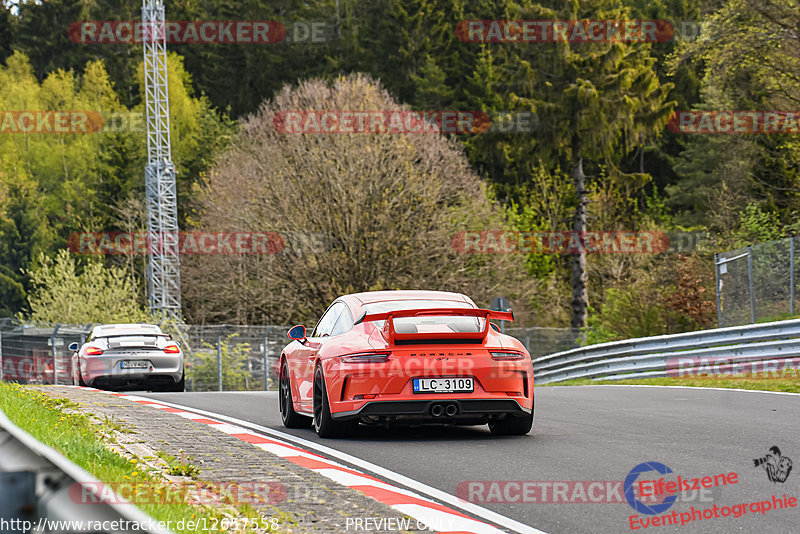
391,334
168,336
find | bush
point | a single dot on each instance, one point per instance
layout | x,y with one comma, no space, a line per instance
202,372
380,211
65,293
645,304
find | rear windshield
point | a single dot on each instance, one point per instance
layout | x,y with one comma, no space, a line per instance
394,305
427,324
121,342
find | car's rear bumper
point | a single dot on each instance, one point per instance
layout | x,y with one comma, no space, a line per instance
133,382
105,371
424,410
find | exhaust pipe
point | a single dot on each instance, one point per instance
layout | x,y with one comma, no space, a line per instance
437,410
451,410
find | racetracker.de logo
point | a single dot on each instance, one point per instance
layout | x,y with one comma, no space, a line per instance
194,243
178,32
511,242
27,368
542,491
722,367
568,492
149,493
50,122
70,122
572,31
735,122
381,121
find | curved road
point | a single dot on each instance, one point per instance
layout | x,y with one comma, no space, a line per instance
585,433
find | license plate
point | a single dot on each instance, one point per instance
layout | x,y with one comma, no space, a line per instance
134,364
443,385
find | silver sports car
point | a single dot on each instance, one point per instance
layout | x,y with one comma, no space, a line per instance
128,356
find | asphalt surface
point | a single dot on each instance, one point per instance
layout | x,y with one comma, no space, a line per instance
586,433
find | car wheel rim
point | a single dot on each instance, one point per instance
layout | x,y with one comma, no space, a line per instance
317,400
284,396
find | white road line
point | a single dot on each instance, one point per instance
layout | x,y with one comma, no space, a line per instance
350,480
229,429
189,415
444,522
674,387
284,452
432,492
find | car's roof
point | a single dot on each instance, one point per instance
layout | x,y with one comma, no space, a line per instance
125,328
382,296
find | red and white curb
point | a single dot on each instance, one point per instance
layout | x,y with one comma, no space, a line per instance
436,516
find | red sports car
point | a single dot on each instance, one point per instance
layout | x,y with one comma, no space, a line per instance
406,357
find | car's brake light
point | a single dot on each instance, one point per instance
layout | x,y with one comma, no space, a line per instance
93,351
172,349
507,355
366,357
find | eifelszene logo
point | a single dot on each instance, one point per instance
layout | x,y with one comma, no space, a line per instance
777,467
630,486
656,496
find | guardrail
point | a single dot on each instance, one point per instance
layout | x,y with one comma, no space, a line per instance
42,491
649,356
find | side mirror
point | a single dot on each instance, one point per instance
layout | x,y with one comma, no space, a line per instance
73,347
298,333
494,327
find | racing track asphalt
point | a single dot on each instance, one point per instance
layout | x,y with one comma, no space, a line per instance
588,433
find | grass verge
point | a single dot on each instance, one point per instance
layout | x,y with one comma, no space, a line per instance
786,385
81,439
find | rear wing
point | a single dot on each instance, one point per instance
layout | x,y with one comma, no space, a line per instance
392,335
109,336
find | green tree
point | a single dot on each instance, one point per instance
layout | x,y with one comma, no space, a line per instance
652,301
381,210
12,293
119,59
751,61
432,92
597,103
7,28
63,292
53,185
42,35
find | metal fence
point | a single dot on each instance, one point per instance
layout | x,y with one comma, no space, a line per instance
233,358
756,283
218,357
540,341
764,348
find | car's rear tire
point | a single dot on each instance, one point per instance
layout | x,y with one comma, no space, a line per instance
290,418
177,387
512,425
324,424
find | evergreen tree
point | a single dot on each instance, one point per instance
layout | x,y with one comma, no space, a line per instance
42,33
598,102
